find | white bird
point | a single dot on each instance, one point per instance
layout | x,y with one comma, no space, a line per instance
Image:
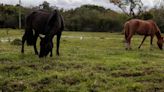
81,38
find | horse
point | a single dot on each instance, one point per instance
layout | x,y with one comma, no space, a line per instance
45,25
142,27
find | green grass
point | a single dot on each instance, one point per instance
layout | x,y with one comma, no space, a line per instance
96,63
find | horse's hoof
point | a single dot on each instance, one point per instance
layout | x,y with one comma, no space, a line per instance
22,51
36,54
57,54
41,56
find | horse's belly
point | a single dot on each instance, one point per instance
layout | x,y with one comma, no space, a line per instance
140,33
143,32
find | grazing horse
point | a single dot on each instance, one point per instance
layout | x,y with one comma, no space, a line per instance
142,27
45,25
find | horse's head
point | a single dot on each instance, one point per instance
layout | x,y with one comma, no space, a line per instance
45,46
160,43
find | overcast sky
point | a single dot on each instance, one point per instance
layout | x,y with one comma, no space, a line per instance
68,4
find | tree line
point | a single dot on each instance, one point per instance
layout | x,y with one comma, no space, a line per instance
85,18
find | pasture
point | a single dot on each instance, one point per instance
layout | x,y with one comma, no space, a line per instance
88,62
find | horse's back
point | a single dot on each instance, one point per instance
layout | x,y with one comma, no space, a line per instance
139,22
37,20
142,27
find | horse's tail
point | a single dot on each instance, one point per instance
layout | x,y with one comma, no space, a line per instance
29,35
126,30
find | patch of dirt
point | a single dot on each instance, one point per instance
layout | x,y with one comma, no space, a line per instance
62,67
70,80
127,74
33,66
5,61
152,80
77,66
155,89
66,66
13,86
47,67
148,71
10,68
41,84
16,42
100,68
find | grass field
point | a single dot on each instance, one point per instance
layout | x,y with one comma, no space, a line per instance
88,62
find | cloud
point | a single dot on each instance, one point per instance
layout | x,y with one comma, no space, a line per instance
68,4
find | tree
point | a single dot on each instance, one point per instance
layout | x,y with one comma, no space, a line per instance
132,8
46,6
93,18
159,17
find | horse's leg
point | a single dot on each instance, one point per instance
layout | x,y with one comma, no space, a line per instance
129,45
126,45
58,43
127,38
142,42
151,42
126,41
51,54
23,41
35,40
129,41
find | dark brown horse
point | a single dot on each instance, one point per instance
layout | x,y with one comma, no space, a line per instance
142,27
45,25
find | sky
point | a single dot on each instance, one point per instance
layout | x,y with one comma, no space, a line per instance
69,4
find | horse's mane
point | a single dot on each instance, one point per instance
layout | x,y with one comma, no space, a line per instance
62,22
157,30
55,20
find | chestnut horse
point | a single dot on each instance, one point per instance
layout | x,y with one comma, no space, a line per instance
142,27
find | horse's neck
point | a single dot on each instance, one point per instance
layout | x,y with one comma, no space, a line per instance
158,35
157,31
